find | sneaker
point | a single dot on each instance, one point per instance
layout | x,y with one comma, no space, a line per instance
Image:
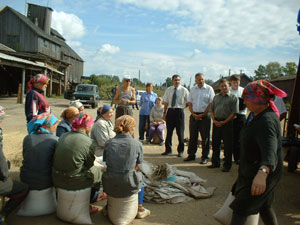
162,143
141,141
143,214
102,197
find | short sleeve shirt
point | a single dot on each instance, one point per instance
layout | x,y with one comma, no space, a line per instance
182,95
224,106
201,97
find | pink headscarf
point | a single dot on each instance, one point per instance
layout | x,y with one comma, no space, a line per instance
39,78
262,92
82,120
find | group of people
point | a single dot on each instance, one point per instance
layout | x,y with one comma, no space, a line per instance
69,159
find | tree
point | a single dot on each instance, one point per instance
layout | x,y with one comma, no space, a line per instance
209,81
290,68
274,70
168,82
260,73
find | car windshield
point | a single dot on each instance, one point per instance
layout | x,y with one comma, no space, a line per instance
84,88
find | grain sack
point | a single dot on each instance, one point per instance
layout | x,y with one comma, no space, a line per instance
121,211
224,214
73,206
38,203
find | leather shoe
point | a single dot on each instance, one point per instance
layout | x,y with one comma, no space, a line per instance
204,161
213,166
225,169
166,153
180,154
189,158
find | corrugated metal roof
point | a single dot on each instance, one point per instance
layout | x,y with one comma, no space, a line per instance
5,48
27,62
16,59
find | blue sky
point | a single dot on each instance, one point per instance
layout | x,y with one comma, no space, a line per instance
164,37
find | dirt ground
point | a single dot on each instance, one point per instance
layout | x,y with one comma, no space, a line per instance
196,212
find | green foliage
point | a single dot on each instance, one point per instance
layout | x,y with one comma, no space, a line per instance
209,81
274,70
168,82
260,73
290,68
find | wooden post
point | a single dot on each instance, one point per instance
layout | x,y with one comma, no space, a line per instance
51,77
60,86
66,79
23,85
19,99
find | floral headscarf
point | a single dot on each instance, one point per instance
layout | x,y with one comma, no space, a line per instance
2,113
40,122
124,124
262,92
82,120
39,78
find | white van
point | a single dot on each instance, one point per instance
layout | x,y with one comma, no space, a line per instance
138,95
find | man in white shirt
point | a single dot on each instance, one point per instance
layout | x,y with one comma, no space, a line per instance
199,101
240,118
175,99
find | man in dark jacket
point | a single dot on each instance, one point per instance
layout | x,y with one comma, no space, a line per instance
14,190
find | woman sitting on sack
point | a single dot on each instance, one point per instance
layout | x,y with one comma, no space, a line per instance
38,150
122,179
66,124
103,129
73,164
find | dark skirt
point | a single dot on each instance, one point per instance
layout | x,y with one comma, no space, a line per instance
123,110
245,204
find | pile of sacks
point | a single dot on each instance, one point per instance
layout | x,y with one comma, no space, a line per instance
172,185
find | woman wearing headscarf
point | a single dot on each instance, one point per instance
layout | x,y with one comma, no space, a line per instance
103,129
77,104
38,150
122,155
36,103
66,124
261,163
73,164
12,189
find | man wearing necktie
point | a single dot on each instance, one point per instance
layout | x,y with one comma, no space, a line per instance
175,100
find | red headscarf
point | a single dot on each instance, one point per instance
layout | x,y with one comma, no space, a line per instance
262,92
39,78
82,120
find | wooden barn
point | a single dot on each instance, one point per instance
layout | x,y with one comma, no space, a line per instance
243,77
32,38
286,83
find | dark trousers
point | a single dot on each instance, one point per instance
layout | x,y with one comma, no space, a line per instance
143,119
238,124
123,110
202,126
16,192
224,133
175,119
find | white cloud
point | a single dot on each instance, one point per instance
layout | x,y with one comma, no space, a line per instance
68,25
110,49
230,23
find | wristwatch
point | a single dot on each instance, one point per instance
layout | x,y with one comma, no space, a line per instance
264,170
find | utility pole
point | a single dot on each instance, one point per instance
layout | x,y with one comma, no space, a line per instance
139,75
